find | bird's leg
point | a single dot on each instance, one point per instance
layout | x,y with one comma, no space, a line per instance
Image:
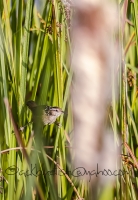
22,128
58,124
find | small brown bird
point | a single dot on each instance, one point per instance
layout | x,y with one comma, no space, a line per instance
43,113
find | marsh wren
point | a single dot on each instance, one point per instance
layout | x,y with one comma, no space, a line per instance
44,114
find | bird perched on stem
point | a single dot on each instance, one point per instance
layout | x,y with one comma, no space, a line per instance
44,114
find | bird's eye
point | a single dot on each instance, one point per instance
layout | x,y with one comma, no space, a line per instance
57,110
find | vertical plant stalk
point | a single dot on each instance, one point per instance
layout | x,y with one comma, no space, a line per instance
19,140
124,97
124,125
25,54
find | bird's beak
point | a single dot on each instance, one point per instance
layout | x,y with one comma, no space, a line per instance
64,112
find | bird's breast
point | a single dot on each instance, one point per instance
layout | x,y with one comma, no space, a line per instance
48,119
